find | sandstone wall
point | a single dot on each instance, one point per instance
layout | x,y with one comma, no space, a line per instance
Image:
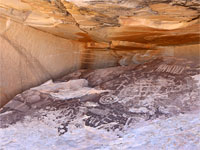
190,52
29,57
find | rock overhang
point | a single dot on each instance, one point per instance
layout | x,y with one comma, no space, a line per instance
167,22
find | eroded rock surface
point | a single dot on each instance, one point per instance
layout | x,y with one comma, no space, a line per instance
38,34
166,22
154,105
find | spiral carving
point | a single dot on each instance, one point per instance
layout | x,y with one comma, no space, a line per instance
108,99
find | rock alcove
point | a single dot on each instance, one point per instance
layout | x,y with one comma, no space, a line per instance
83,69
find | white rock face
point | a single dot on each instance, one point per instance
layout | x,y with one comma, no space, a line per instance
197,78
77,84
176,133
67,90
115,32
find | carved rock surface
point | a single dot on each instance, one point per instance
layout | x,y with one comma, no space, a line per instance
43,39
153,105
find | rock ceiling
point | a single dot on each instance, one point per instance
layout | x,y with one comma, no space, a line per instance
116,24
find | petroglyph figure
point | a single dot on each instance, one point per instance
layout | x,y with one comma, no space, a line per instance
175,69
108,99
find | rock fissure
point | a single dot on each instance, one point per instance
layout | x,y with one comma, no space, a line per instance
63,9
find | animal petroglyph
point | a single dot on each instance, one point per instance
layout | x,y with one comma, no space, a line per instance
175,69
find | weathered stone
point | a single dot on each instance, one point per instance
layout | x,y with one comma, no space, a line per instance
23,107
14,104
104,33
149,93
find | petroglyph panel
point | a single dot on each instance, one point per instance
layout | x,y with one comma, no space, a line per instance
163,87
